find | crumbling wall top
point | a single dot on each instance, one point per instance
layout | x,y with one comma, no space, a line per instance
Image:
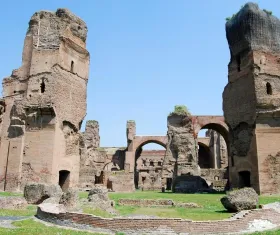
50,26
253,29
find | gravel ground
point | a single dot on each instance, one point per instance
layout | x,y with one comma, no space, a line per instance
6,221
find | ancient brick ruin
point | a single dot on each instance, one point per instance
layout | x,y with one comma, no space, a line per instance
44,104
102,165
251,99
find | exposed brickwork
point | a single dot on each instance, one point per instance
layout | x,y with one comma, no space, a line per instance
251,99
148,226
45,103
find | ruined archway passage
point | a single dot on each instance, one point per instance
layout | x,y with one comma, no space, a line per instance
64,179
216,123
205,158
136,143
148,166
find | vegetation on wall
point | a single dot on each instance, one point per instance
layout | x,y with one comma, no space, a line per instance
92,121
180,110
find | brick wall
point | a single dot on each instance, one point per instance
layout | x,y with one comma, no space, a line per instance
149,226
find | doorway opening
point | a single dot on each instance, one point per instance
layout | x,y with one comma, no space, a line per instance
168,183
244,179
64,179
99,179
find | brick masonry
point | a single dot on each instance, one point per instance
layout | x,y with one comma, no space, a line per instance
173,226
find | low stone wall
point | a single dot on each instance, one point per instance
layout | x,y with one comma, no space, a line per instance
152,203
145,202
129,226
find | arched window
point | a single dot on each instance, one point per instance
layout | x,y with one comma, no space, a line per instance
72,66
268,88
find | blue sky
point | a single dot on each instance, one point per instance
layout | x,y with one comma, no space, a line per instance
146,57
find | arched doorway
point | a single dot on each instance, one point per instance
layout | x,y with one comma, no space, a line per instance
149,158
216,141
218,144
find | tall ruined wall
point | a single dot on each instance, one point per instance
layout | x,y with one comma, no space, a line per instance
130,154
45,102
181,151
99,165
251,98
93,158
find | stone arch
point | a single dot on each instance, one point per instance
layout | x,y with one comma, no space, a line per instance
138,149
216,123
140,141
162,141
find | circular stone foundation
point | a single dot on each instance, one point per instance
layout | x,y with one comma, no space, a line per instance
245,221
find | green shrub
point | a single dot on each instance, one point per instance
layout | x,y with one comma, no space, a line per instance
180,110
92,121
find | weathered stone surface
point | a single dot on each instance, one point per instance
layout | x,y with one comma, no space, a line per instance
45,103
181,151
37,193
145,202
98,198
242,199
52,208
130,130
12,203
251,100
254,29
52,27
122,181
148,169
98,192
98,165
187,205
70,199
155,202
91,134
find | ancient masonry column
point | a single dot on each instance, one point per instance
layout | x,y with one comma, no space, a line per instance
181,155
45,104
89,145
130,153
251,100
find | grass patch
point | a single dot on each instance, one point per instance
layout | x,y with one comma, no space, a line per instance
269,199
212,209
275,232
31,227
7,194
83,195
28,211
96,211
